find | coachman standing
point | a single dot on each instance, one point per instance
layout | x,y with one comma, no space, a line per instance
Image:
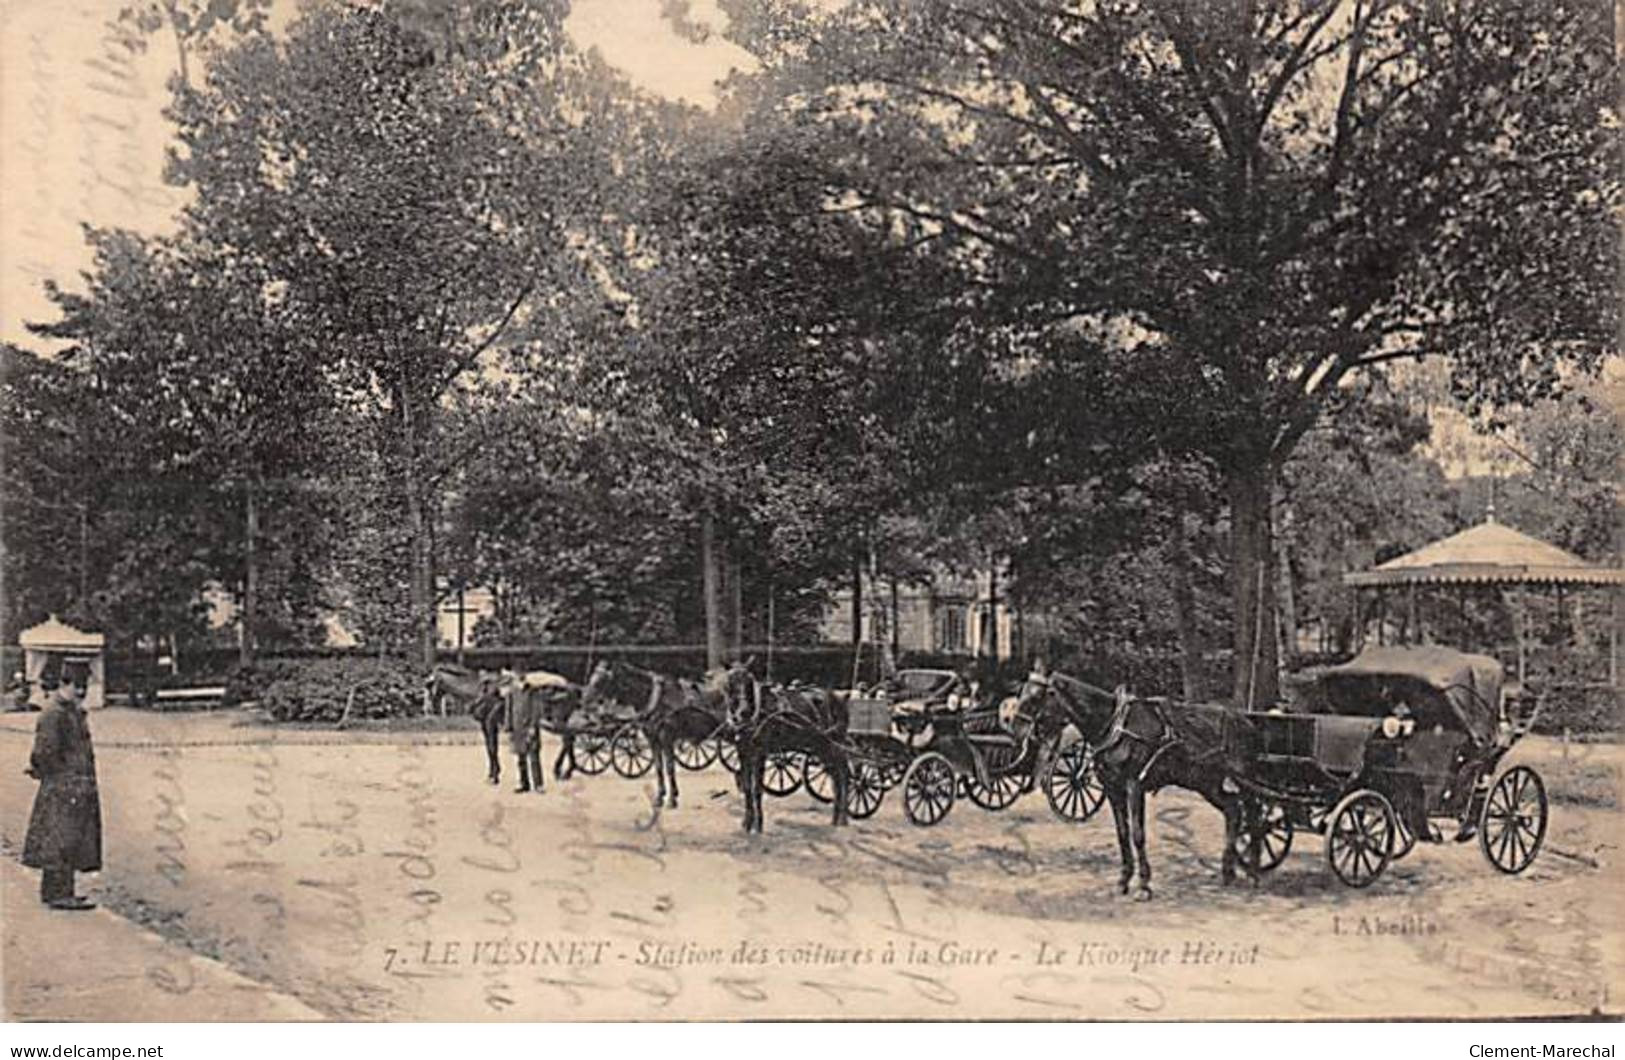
65,829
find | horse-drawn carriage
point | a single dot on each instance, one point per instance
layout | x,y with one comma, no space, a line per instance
1391,742
936,737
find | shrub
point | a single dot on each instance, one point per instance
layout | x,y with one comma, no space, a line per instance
1587,710
318,690
245,683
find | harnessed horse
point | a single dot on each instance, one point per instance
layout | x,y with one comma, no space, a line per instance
767,719
671,709
480,696
1141,745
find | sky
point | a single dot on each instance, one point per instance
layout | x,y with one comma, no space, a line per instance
83,131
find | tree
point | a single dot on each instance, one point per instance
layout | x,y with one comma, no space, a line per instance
106,456
1262,203
410,177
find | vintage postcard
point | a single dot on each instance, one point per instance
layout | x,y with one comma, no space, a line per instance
717,510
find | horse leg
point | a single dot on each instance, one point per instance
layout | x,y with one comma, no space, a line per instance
493,754
1136,823
566,749
535,756
1125,850
1232,829
841,770
670,763
742,778
758,782
1253,817
657,747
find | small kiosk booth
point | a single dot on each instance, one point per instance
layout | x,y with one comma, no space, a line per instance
53,637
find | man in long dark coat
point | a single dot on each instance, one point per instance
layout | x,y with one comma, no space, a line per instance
65,830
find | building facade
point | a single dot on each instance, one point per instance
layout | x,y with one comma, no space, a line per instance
953,615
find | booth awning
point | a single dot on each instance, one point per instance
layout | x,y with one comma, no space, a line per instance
55,635
1488,553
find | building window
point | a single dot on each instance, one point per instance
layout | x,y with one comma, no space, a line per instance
953,628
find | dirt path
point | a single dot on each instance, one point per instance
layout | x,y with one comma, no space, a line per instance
377,877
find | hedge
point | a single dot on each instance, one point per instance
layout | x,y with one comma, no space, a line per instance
319,690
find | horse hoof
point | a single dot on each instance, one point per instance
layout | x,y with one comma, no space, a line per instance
1144,895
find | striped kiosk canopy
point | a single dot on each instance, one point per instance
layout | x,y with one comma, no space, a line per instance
1487,554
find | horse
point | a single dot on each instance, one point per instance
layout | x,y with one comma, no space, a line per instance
768,719
532,702
671,709
477,691
1142,745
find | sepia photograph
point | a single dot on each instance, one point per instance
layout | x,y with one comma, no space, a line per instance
836,511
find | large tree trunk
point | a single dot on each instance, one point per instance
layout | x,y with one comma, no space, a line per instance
716,635
857,618
1252,587
1286,596
251,576
422,588
857,607
736,599
1190,643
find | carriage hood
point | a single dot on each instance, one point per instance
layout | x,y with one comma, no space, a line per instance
1443,685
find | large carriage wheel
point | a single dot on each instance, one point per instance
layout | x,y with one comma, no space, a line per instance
1002,789
864,790
1275,842
1513,824
630,751
1360,837
819,784
781,775
1071,785
694,755
591,753
928,789
728,754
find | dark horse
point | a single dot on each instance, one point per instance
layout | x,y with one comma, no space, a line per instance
1141,745
532,703
768,719
480,695
669,709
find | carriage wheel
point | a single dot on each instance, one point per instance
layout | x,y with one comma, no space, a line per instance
728,755
819,784
1360,837
1275,842
865,790
928,789
1513,823
694,755
591,753
781,775
1071,785
630,752
1002,790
